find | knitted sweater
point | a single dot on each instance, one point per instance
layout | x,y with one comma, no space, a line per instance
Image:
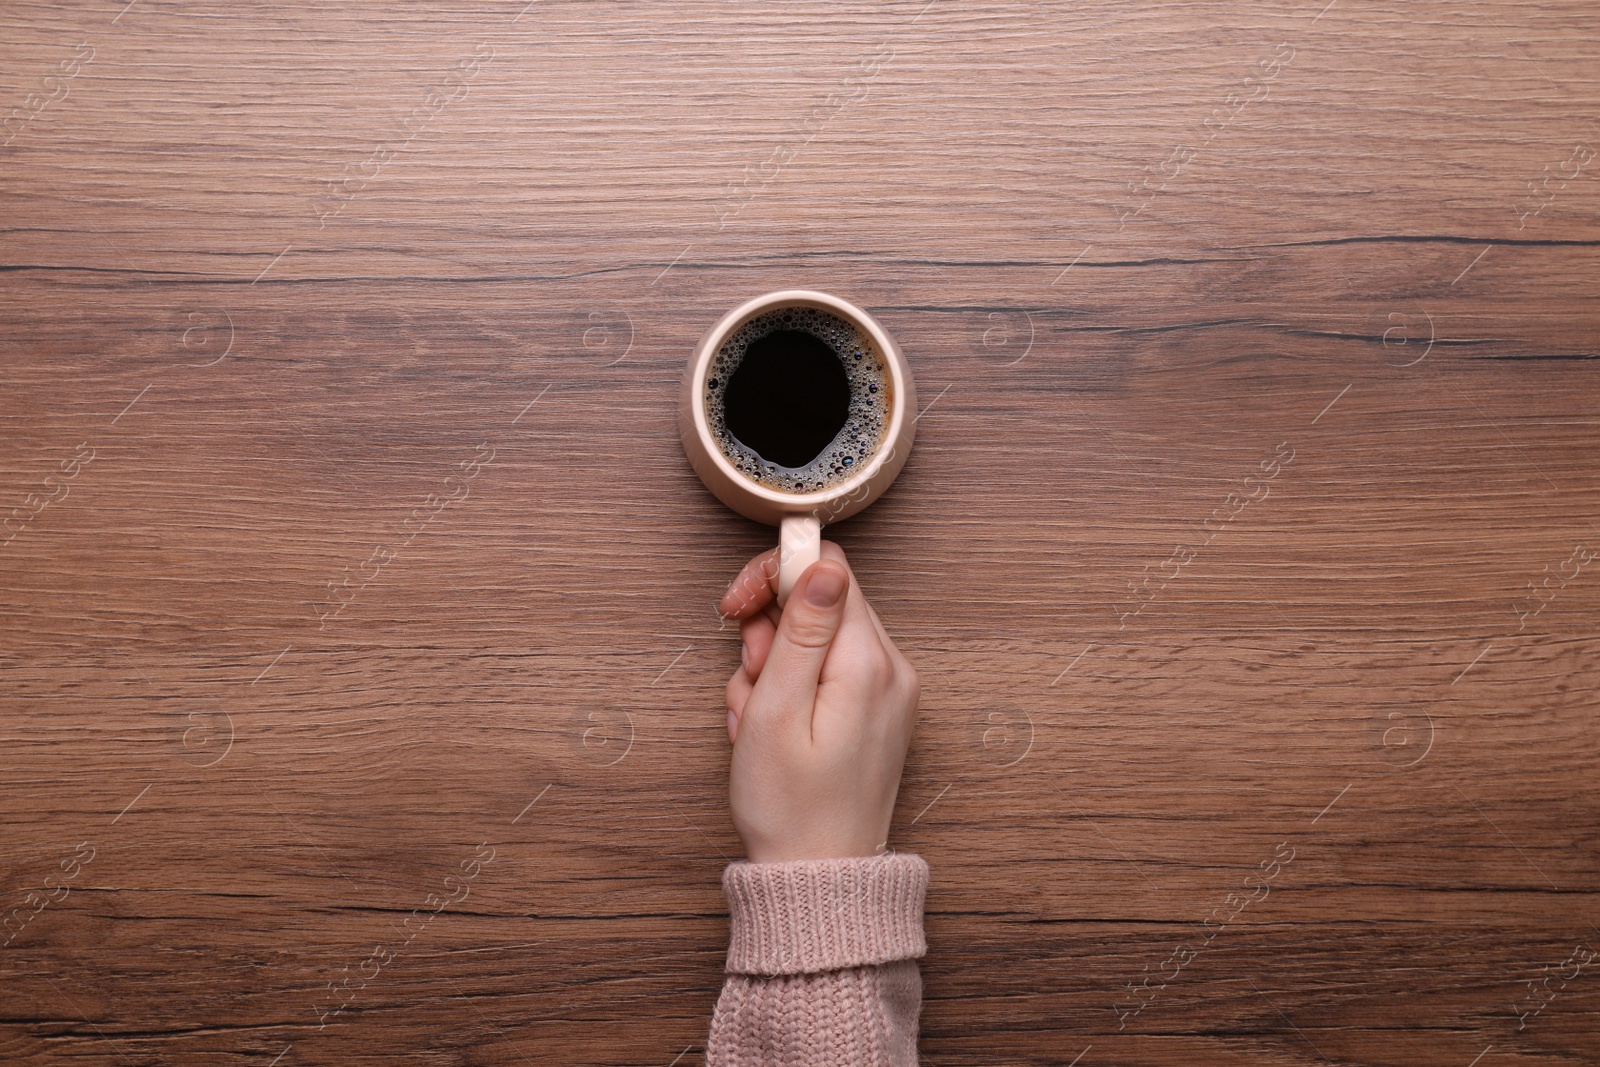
822,967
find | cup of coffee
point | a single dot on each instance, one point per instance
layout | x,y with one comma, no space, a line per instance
797,410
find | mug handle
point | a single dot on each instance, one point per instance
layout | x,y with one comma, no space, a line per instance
799,546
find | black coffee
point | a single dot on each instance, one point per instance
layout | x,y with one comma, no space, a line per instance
788,398
797,398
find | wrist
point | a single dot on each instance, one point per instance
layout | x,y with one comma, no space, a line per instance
831,838
788,852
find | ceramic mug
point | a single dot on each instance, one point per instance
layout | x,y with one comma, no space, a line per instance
799,516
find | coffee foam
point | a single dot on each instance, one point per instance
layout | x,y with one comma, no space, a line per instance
864,426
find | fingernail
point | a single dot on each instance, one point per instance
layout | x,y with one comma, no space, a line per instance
744,655
825,588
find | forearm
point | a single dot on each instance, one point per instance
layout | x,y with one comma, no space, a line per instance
822,967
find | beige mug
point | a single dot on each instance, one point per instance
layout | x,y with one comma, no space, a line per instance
799,516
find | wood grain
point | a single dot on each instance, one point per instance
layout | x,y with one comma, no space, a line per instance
1243,552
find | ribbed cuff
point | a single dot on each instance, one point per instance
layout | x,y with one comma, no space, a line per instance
806,916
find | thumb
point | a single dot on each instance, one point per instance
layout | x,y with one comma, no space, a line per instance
810,621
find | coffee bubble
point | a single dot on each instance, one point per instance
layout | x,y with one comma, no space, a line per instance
865,422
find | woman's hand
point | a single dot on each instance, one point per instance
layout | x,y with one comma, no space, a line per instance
820,714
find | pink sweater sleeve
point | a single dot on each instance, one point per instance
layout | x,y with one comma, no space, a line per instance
822,967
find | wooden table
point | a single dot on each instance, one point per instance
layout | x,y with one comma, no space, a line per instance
361,687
